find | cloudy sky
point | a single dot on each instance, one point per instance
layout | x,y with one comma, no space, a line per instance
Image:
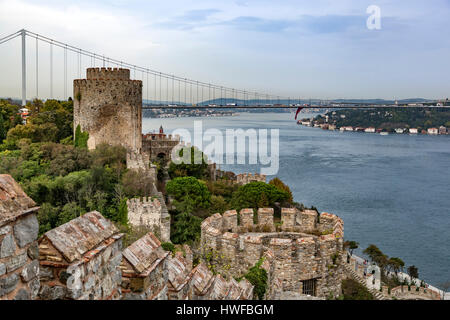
319,49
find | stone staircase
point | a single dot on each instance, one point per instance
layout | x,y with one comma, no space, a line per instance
354,275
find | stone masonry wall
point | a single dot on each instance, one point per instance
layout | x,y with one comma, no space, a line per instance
19,267
299,254
151,213
246,178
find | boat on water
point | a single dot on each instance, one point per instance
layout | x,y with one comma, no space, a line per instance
384,133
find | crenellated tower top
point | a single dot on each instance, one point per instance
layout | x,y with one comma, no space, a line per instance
107,74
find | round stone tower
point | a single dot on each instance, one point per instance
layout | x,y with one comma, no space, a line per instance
108,105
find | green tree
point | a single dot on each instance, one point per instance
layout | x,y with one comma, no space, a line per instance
257,276
351,245
3,129
395,264
413,272
81,138
122,214
254,194
197,191
198,166
353,290
136,183
283,187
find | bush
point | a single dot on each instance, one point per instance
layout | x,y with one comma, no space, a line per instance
257,276
196,190
257,195
353,290
81,138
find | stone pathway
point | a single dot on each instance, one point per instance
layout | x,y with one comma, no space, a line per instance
376,294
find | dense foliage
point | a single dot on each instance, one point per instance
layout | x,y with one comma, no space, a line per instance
257,276
390,118
64,179
353,290
258,195
197,166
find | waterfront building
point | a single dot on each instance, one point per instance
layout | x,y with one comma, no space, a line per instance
433,131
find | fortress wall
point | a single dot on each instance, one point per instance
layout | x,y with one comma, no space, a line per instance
108,105
230,222
246,178
144,212
307,220
282,250
288,219
252,251
293,256
265,220
246,217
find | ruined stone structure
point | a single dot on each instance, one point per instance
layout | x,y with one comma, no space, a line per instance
179,269
19,265
150,213
246,178
80,260
159,145
108,105
411,293
207,286
305,256
144,270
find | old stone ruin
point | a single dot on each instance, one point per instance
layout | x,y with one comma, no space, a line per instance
84,260
150,213
246,178
303,254
19,264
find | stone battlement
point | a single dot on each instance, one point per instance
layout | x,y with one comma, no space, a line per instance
292,220
108,74
108,104
151,213
412,293
307,249
245,178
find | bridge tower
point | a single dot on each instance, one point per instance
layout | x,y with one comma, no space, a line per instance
108,105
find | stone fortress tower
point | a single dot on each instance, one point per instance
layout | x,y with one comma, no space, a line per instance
108,105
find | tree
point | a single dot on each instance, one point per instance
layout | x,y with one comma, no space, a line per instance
196,190
136,183
353,290
122,212
396,264
373,252
186,228
257,276
3,129
81,138
351,245
198,166
283,187
257,195
413,272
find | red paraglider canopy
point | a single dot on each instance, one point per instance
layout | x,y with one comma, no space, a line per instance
298,111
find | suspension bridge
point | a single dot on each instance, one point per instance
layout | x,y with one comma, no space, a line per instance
160,90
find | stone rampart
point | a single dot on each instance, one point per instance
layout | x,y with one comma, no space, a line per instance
245,178
108,105
151,213
311,251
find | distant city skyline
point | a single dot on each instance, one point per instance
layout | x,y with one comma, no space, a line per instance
302,49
